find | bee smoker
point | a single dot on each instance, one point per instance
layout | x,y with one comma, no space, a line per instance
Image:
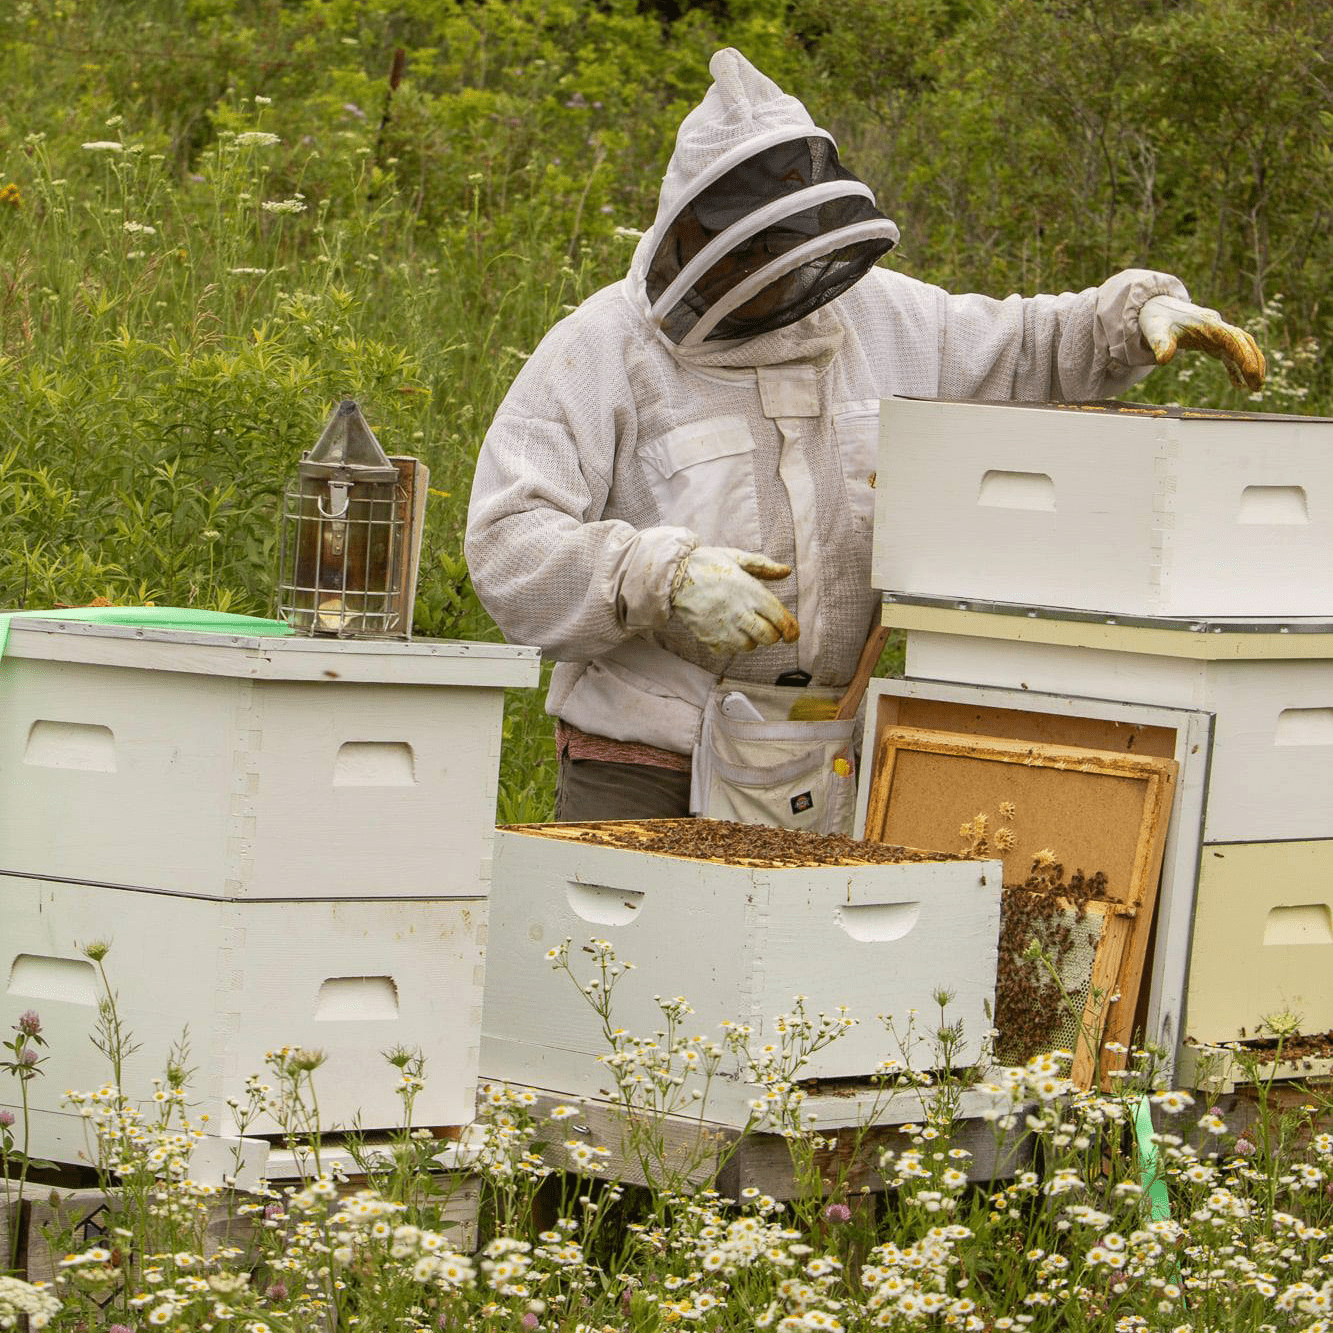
350,535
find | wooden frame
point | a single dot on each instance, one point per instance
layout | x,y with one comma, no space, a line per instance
1010,713
1096,809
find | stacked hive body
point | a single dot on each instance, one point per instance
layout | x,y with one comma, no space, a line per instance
1155,573
739,931
286,842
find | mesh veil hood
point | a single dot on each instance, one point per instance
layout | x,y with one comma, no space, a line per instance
758,223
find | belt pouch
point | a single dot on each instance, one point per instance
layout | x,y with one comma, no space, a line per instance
795,775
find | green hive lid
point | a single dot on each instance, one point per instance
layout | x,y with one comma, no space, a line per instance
189,618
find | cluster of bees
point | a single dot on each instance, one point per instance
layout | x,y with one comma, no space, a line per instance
1044,928
754,844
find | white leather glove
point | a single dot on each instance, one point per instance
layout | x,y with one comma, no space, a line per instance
717,596
1167,323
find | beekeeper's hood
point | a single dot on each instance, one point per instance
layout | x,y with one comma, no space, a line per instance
758,223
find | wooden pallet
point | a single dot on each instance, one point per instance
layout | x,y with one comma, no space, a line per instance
704,1151
84,1217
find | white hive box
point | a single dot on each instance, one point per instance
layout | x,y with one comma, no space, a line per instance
286,840
738,941
1136,511
1262,932
1270,694
237,767
239,979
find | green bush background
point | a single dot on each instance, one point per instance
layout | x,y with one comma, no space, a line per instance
217,219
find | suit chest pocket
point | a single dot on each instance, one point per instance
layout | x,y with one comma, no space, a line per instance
702,477
856,426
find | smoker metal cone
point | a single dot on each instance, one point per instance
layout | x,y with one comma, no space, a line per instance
348,449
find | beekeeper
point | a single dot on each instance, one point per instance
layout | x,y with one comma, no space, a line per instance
678,486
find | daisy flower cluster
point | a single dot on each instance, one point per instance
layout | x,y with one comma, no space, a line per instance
1045,1207
508,1140
741,1264
775,1065
32,1301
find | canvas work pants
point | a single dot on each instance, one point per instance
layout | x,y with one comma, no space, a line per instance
593,789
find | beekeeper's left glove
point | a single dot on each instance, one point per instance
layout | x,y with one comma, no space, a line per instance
1167,323
717,596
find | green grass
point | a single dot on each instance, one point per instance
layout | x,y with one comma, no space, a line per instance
218,219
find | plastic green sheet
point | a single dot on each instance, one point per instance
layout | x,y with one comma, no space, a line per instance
1154,1185
184,618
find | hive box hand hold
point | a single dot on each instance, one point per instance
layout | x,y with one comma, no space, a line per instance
737,934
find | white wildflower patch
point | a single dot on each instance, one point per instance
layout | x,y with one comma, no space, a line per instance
26,1299
1074,1224
1173,1101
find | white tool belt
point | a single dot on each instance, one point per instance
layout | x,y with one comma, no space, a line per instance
766,769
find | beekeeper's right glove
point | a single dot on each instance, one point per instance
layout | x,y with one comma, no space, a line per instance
1167,323
717,596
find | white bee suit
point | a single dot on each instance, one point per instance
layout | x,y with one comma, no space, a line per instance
646,424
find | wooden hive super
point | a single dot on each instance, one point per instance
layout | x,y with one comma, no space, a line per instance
738,933
1113,507
286,842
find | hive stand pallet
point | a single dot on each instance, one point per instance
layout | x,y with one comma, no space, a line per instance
52,1213
86,1214
761,1160
1217,1071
